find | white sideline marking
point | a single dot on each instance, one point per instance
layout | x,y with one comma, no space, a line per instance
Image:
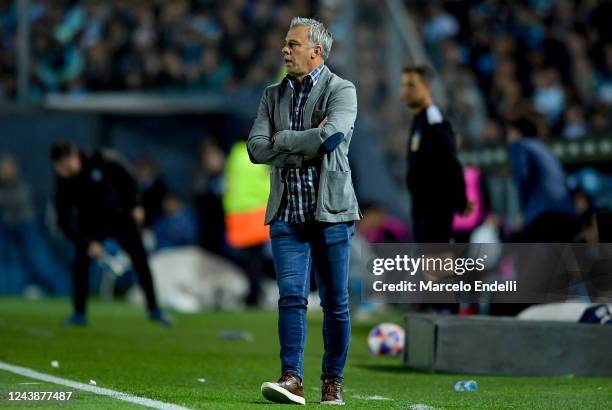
33,374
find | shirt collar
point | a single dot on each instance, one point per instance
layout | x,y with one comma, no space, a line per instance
313,76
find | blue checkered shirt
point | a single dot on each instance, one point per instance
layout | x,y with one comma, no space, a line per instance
300,197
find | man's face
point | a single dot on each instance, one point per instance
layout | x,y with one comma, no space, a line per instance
297,51
69,166
414,90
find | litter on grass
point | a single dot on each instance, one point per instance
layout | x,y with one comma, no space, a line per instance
420,406
379,398
236,335
55,364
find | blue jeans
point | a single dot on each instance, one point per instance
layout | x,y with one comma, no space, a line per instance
295,248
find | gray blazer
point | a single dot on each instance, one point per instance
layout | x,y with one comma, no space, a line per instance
332,97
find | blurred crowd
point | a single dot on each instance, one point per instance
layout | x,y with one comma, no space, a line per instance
94,45
496,58
499,59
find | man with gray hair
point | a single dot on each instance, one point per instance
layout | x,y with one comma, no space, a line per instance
303,130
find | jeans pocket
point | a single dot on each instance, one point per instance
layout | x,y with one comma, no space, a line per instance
351,227
279,228
334,233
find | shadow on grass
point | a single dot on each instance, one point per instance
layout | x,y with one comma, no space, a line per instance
390,369
398,369
266,403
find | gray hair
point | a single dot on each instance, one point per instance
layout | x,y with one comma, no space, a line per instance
317,33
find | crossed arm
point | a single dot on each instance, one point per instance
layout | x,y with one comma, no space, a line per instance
341,115
260,146
288,148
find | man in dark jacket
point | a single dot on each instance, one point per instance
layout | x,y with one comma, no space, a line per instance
435,177
96,198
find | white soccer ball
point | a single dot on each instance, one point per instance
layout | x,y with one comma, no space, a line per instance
386,339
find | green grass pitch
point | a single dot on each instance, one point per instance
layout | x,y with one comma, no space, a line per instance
122,351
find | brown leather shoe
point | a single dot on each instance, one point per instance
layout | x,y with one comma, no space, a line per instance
332,393
288,389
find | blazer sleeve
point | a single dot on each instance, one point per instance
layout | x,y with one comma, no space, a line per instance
259,145
341,115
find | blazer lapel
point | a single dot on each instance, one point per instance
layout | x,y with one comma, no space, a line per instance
284,106
315,93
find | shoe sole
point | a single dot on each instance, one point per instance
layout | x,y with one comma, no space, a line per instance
277,394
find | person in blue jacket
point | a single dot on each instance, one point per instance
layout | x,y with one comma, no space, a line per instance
545,200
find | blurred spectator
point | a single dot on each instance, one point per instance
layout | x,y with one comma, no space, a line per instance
600,121
244,204
440,24
378,226
604,78
208,188
177,226
549,96
57,66
15,202
24,255
582,69
152,189
8,29
16,212
492,133
548,214
586,211
470,107
575,125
